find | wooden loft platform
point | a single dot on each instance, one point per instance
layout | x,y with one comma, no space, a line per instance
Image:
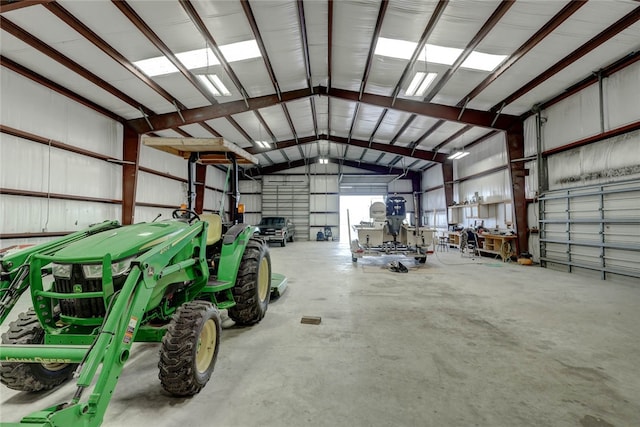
213,151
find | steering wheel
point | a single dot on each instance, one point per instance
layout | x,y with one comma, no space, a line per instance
185,214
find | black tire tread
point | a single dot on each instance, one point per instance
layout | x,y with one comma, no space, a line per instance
177,371
29,376
248,309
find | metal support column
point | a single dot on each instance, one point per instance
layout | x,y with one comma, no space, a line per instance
130,158
515,150
201,179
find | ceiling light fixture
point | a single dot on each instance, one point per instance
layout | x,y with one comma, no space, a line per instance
323,161
263,144
458,155
428,79
213,84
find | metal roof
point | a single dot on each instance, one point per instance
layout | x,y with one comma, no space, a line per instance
318,88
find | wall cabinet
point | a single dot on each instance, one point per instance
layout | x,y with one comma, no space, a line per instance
454,215
477,210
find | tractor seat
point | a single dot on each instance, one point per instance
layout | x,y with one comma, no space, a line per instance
214,231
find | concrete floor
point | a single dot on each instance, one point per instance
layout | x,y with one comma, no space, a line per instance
454,342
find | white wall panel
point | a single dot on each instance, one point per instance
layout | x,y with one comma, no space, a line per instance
251,196
216,178
320,220
161,161
160,190
434,200
33,108
622,92
531,181
21,214
482,157
492,188
250,186
214,200
611,160
148,213
31,166
530,136
432,177
322,203
400,186
572,119
324,184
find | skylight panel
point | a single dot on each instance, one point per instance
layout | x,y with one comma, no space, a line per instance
199,58
156,66
483,61
435,54
395,48
240,51
440,54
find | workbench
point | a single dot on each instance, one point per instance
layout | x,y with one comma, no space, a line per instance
497,244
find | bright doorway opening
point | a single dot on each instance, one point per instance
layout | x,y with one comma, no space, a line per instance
358,210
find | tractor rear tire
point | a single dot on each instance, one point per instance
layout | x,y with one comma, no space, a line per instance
31,376
190,348
253,285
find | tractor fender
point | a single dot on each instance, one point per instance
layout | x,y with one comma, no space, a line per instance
234,243
232,234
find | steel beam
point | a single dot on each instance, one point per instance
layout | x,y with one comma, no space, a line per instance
610,32
131,158
515,150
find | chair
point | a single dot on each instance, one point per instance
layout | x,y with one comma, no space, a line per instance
443,243
214,231
469,243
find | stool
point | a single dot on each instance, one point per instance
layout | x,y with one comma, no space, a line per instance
443,243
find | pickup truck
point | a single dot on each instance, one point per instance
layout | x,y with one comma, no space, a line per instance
276,229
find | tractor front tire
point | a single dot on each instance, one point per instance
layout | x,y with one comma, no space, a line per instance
190,348
253,285
31,376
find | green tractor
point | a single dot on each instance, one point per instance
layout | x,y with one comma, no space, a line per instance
97,291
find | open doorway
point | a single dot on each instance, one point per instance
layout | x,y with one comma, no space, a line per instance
358,208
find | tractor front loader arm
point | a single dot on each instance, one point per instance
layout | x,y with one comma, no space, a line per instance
14,267
111,348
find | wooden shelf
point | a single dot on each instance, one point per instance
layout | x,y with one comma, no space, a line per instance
498,245
454,239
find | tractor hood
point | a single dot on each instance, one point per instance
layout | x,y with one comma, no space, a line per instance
122,242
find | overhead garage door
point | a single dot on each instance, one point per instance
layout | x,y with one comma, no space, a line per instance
592,229
287,196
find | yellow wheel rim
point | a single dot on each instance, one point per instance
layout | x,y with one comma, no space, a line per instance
206,346
54,366
263,279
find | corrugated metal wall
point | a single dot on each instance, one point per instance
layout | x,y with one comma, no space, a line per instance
586,199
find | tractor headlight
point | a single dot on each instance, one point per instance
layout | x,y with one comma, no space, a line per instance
120,267
92,271
62,270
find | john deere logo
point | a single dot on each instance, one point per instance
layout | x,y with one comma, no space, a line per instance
77,289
